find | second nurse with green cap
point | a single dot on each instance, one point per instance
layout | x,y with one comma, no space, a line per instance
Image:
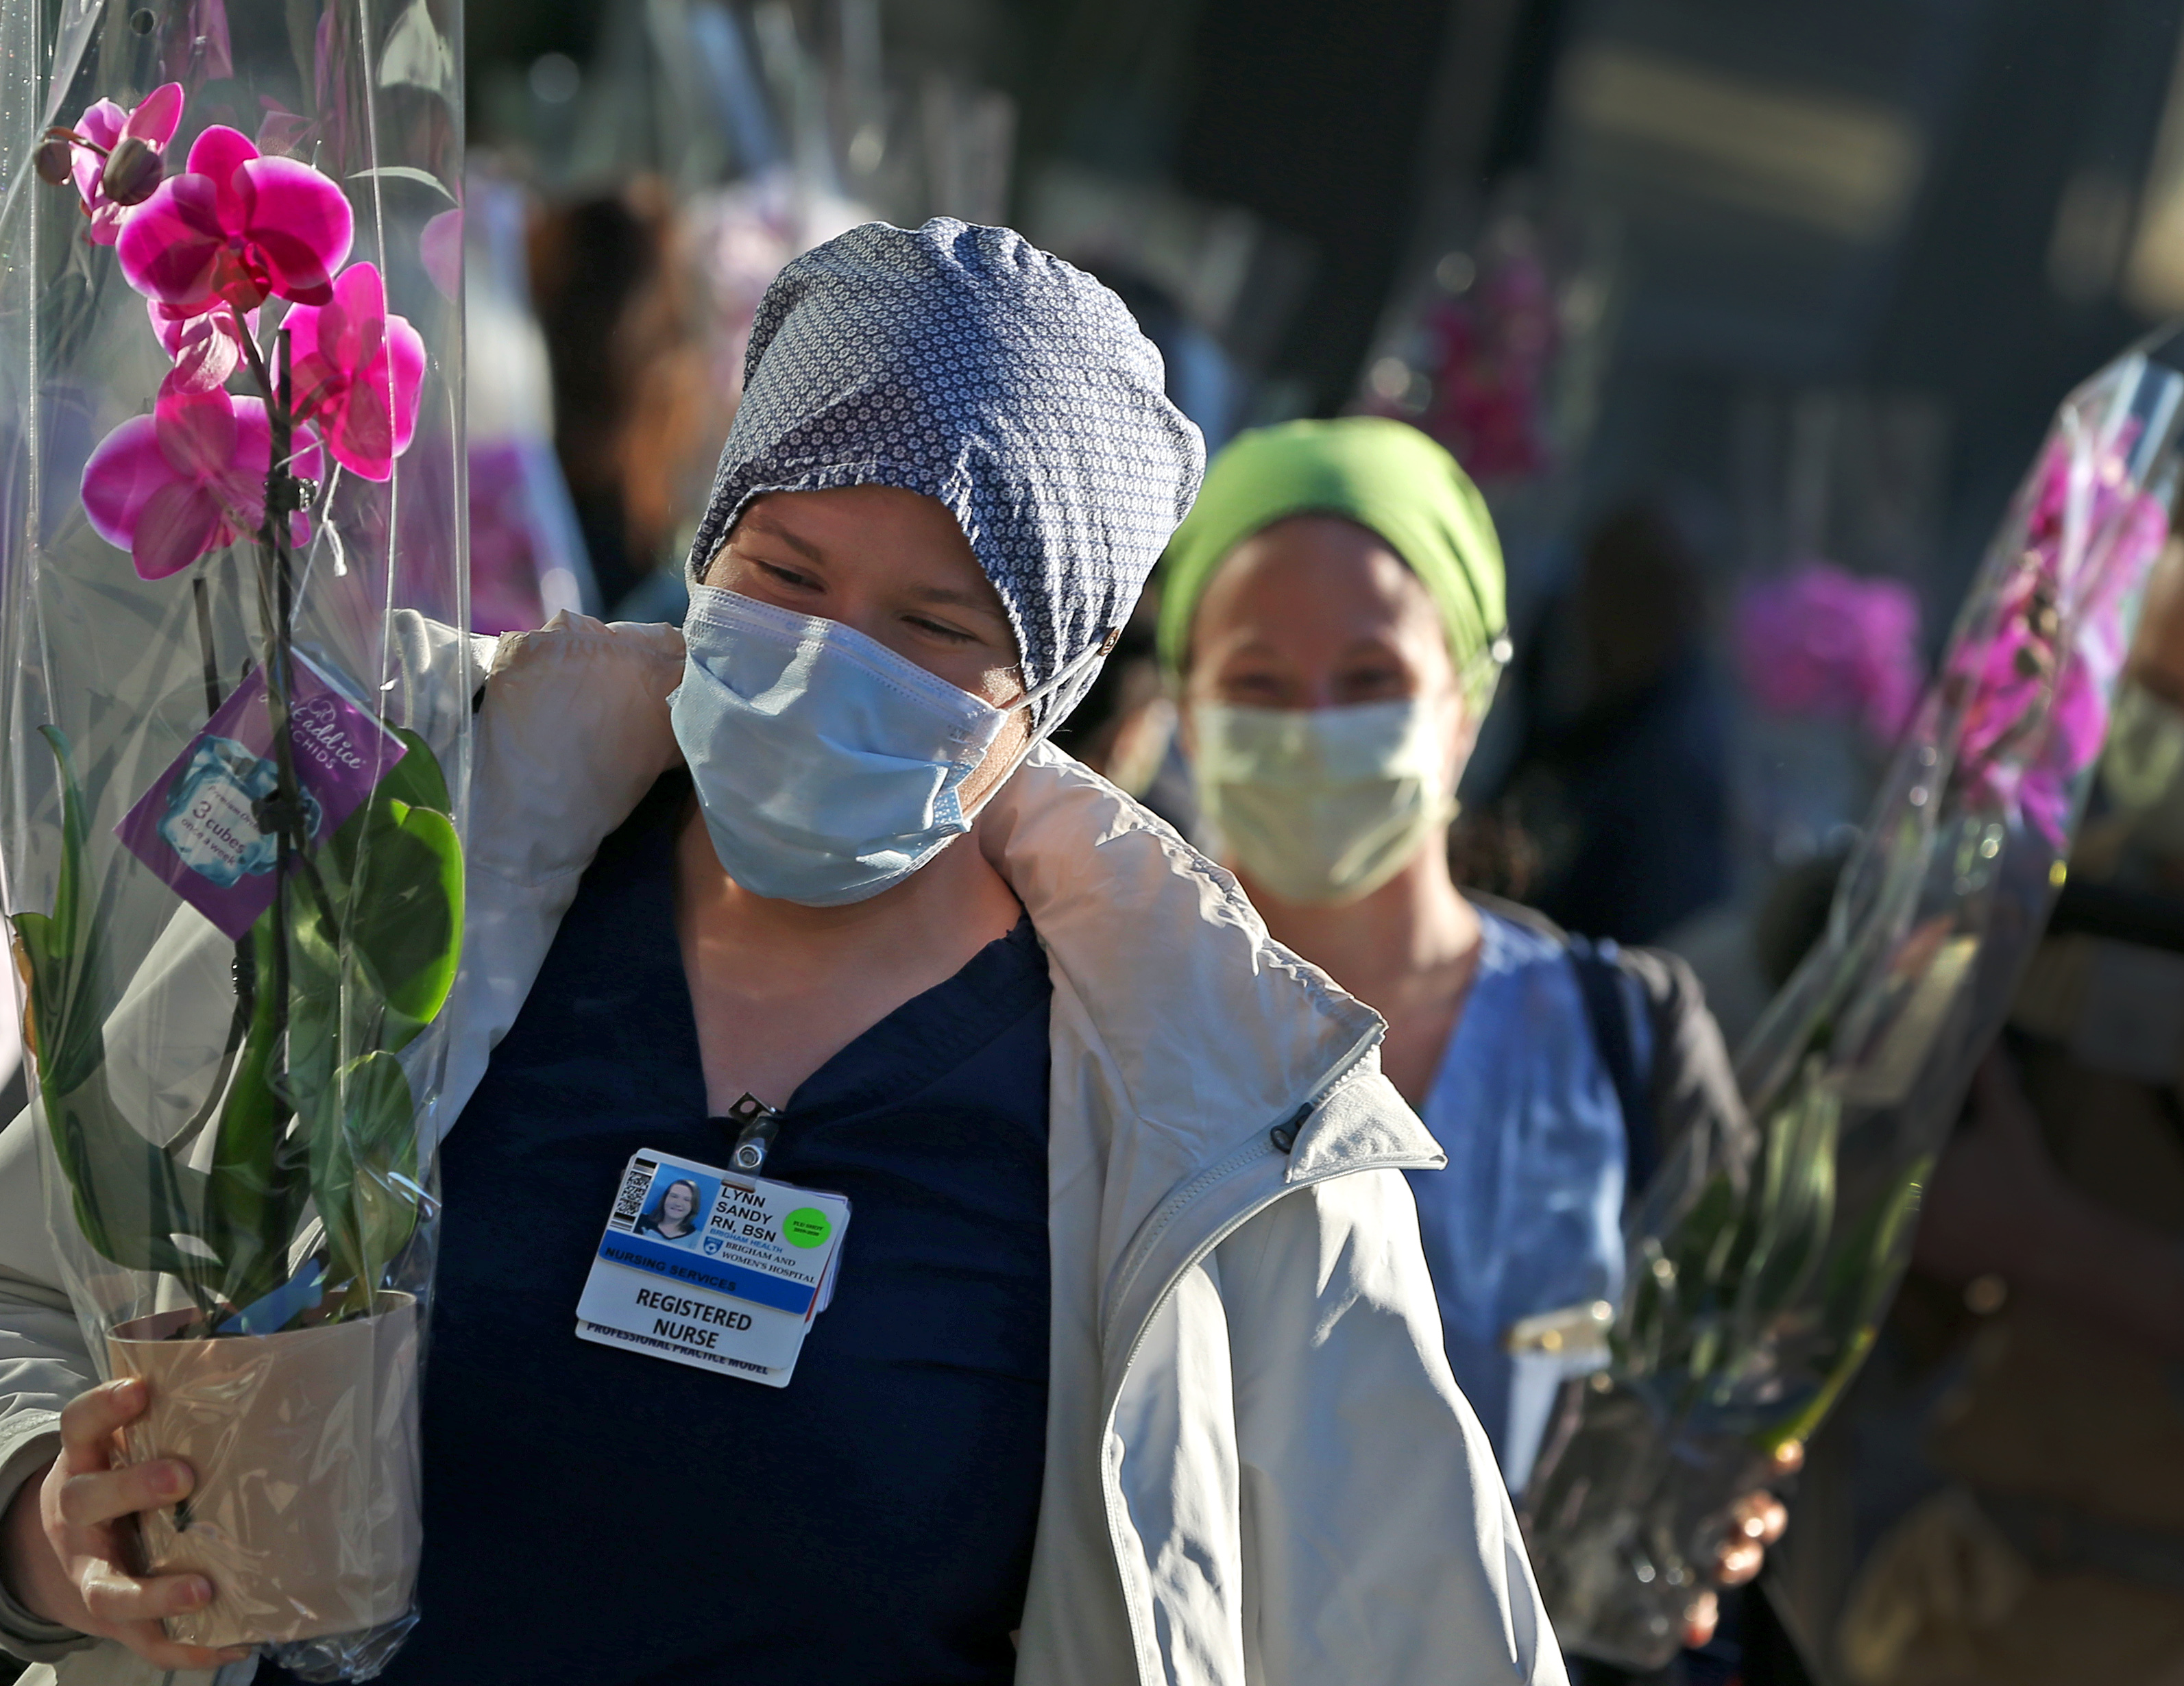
1332,615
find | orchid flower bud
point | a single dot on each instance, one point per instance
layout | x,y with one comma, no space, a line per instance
52,162
133,169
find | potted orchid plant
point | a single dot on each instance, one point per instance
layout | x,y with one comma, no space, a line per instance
237,897
1754,1289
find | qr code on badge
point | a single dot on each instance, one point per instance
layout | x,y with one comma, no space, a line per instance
630,1201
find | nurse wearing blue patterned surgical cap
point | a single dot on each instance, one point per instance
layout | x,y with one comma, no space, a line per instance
1054,1311
977,379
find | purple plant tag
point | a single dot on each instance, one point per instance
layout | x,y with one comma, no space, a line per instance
196,826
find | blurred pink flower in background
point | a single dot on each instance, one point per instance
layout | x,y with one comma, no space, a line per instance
236,227
505,559
358,373
106,126
1820,641
440,249
1495,353
188,479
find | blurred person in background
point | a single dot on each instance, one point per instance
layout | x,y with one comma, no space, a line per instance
634,392
2053,1552
1624,770
1332,613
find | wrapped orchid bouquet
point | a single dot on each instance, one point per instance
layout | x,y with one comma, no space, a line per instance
1755,1289
237,730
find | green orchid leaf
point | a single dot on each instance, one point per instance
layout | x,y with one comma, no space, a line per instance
417,779
1703,1242
373,954
130,1199
364,1169
1805,1209
406,919
255,1192
317,1006
383,1187
392,881
60,952
1863,1269
1795,1208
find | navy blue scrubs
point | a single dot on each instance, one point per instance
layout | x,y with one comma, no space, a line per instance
594,1515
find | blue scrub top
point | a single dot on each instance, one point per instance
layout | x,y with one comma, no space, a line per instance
594,1515
1527,1217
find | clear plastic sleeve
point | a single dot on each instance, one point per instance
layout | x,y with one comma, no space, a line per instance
1755,1289
236,721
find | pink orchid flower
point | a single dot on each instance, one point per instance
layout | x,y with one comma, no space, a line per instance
234,227
2035,710
187,480
358,374
106,126
206,345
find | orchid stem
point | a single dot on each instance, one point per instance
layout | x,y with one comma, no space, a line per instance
203,600
280,678
259,373
276,604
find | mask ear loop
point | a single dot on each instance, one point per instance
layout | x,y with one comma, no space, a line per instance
1084,667
1480,685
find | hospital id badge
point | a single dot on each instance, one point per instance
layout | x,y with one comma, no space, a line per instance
712,1269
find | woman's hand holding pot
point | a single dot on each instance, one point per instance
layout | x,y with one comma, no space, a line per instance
61,1551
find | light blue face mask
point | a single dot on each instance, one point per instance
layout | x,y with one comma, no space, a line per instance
828,768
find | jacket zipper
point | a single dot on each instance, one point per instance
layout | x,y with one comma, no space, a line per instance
1241,1159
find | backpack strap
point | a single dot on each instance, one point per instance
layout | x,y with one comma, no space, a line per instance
1602,978
1600,982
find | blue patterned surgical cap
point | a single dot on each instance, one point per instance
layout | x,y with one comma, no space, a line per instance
966,363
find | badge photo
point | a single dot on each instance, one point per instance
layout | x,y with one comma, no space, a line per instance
676,1204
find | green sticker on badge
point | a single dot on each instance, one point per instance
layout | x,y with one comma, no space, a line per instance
806,1226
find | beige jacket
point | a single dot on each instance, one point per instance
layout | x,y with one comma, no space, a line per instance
1259,1468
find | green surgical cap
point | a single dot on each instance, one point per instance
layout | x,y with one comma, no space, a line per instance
1381,475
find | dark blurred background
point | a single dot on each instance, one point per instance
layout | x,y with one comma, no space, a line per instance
1743,312
1793,237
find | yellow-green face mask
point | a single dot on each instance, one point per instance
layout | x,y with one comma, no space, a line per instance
1322,806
